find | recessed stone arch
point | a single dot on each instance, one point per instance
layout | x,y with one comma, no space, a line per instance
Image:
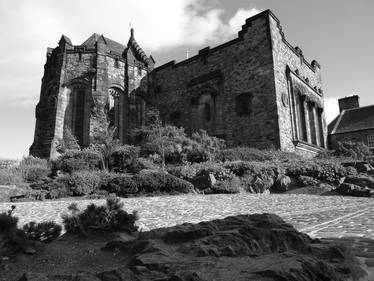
116,110
78,109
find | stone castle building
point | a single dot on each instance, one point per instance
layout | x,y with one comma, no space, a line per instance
256,90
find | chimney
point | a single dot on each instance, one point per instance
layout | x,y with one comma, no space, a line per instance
349,102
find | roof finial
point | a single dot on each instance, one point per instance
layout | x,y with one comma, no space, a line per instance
132,32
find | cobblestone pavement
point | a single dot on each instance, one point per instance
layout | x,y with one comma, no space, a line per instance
349,219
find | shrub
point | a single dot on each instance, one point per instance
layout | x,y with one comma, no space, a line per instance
190,171
56,188
254,154
173,146
83,182
121,185
321,169
7,221
43,232
10,176
80,183
108,217
33,169
77,160
7,163
124,159
307,181
13,240
233,185
155,182
260,169
354,150
203,147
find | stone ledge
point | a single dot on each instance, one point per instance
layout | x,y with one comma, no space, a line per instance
303,145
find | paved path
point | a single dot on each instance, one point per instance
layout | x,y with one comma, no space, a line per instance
349,219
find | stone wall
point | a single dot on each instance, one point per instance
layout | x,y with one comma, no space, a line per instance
294,73
212,81
358,136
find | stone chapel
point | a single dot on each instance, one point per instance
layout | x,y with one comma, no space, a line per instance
255,90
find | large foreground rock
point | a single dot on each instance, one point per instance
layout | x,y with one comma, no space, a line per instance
247,247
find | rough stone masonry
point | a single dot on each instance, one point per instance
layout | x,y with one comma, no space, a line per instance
255,90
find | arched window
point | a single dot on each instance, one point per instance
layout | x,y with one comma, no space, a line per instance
77,113
115,110
206,113
301,117
139,111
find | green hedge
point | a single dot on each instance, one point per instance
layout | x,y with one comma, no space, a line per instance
77,160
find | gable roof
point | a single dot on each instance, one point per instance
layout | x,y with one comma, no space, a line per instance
356,119
113,46
138,51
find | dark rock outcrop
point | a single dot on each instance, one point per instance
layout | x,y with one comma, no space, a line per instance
351,189
246,247
363,180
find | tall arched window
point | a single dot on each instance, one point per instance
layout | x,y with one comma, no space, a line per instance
139,111
206,113
77,113
301,119
115,111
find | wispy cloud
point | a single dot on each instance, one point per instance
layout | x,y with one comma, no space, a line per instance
29,27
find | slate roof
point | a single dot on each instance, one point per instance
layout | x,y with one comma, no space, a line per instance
114,46
356,119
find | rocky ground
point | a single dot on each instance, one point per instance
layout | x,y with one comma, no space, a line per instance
348,220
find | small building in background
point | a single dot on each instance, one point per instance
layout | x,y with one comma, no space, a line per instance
354,123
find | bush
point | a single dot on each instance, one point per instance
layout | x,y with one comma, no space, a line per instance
14,240
108,217
80,183
322,169
10,176
43,232
55,188
254,154
33,169
233,185
354,150
203,147
160,182
191,171
83,183
121,185
307,181
77,160
7,221
260,169
173,146
124,159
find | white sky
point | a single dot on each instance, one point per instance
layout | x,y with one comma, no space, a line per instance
167,28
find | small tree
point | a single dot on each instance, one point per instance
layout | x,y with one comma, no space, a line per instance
105,142
68,141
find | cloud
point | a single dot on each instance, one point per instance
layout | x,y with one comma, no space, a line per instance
331,109
29,27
